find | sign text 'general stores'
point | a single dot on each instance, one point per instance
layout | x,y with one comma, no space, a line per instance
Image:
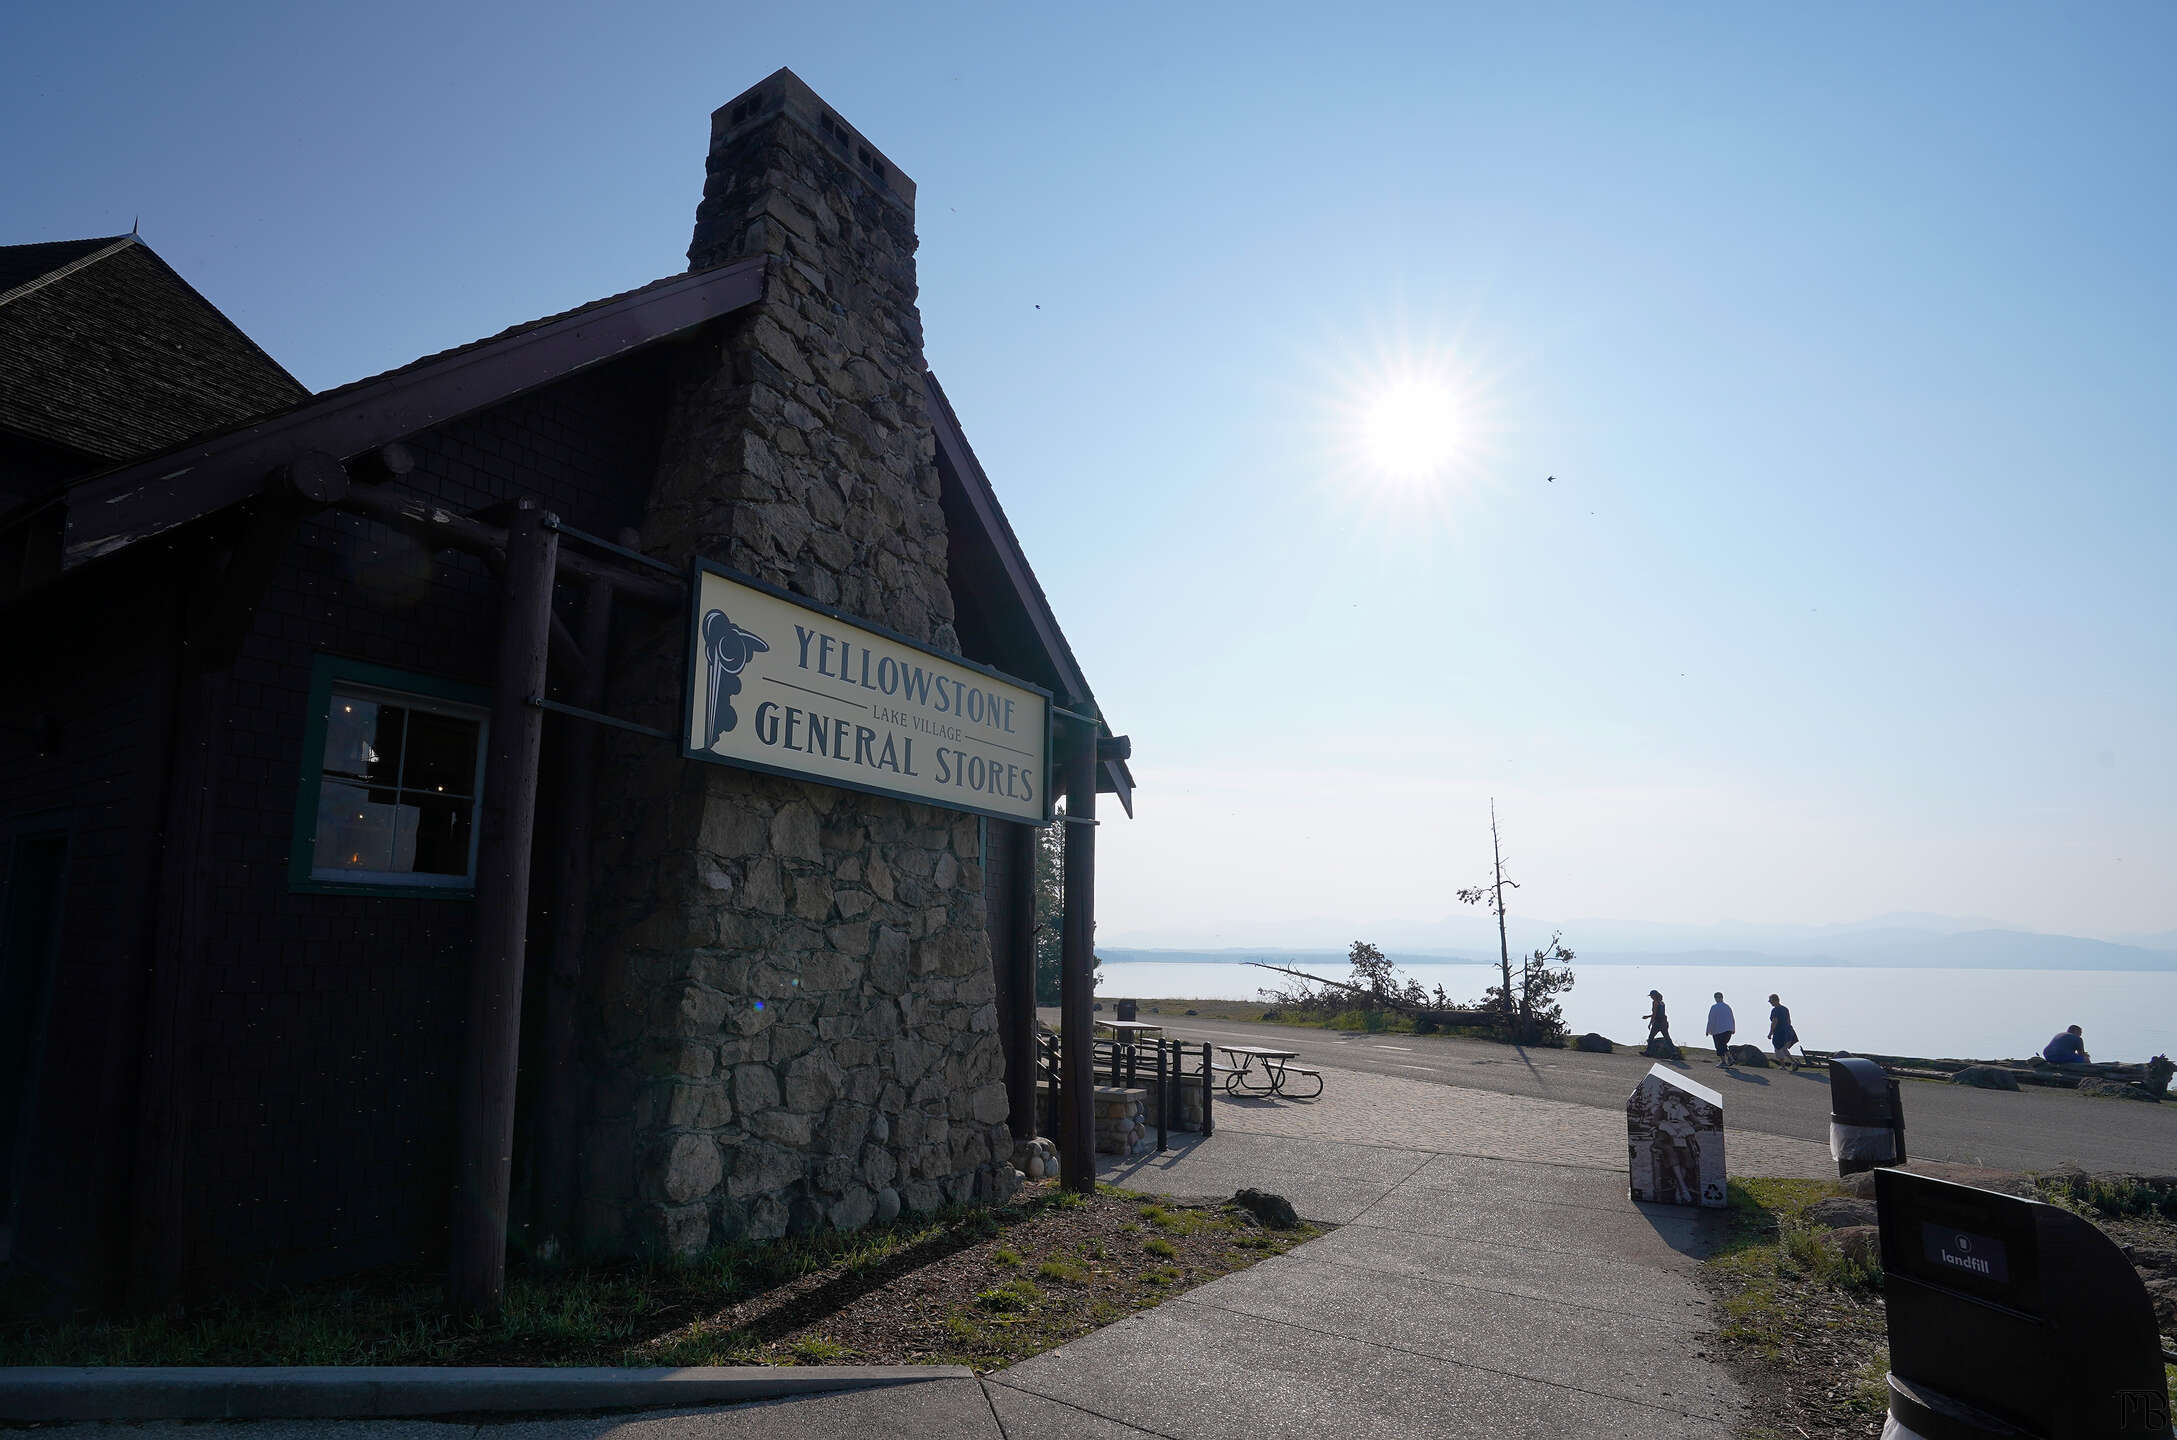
777,684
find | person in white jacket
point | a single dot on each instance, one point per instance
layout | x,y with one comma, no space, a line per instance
1720,1026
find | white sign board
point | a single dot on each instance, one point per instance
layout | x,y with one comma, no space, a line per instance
776,683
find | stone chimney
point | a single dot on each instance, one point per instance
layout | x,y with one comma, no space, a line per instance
792,990
834,461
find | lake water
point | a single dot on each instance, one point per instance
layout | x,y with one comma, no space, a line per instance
1976,1014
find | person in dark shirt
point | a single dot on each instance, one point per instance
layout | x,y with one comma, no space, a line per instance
1781,1036
2068,1048
1659,1023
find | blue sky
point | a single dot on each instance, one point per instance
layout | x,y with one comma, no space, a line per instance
1845,331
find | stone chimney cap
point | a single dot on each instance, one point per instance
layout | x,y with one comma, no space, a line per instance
785,91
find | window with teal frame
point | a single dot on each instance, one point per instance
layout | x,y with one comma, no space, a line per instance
392,782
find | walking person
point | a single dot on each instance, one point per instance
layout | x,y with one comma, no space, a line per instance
1720,1027
1781,1036
1659,1020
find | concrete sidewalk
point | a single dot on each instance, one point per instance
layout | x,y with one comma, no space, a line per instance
1489,1278
1493,1280
928,1410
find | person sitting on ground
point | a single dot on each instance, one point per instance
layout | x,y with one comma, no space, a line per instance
2068,1048
1720,1026
1659,1022
1781,1036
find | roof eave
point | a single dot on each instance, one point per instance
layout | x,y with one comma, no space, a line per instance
146,497
982,500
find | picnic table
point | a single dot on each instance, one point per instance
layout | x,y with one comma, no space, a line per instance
1277,1070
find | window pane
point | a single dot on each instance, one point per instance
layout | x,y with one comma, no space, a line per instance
441,754
438,842
353,831
363,738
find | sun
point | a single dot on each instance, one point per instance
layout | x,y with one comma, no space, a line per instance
1410,431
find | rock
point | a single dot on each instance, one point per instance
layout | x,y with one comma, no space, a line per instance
888,1205
1753,1057
693,1168
1594,1044
1986,1077
1861,1244
1841,1213
1274,1211
1662,1049
2162,1290
2116,1090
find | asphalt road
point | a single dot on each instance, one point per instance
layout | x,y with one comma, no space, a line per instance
2033,1129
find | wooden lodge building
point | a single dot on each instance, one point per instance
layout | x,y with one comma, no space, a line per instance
366,897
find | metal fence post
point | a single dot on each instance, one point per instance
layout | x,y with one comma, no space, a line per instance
1164,1101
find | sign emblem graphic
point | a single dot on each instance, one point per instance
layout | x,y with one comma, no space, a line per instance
727,648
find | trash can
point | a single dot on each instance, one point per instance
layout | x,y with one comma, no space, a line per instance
2009,1318
1866,1117
1127,1009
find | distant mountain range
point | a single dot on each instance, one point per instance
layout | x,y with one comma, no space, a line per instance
1901,941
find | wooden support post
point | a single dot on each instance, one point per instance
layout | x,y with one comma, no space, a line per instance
1077,973
1020,959
490,1050
558,1091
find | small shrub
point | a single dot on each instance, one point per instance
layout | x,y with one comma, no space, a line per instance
1426,1025
1009,1298
1273,1014
819,1350
1005,1255
1159,1246
2115,1196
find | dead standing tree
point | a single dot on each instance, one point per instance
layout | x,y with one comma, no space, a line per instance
1492,895
1528,1011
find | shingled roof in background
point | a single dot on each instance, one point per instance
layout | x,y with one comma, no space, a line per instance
107,352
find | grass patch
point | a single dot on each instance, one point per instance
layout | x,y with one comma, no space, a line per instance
1803,1325
980,1287
2110,1197
1063,1272
1160,1247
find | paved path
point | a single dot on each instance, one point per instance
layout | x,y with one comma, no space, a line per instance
2031,1129
1489,1278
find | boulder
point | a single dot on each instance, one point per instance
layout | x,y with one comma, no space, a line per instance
1274,1211
2118,1090
1753,1057
1841,1212
1662,1049
1861,1244
1986,1077
1594,1044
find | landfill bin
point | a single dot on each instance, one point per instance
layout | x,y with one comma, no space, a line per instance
1127,1009
1866,1117
2011,1319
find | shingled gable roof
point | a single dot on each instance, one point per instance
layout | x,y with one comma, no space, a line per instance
108,353
109,512
1030,607
113,510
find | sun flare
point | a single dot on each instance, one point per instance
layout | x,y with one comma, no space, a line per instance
1410,431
